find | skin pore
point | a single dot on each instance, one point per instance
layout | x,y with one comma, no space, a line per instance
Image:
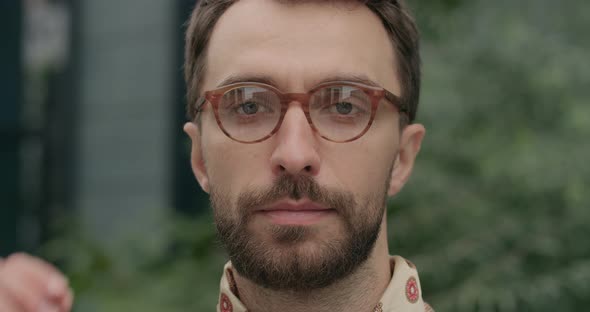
299,46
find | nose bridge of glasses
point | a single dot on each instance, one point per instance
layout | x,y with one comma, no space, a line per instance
301,98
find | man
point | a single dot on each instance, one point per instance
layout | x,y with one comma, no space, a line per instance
301,126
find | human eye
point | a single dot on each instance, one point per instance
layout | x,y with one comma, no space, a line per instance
343,108
249,108
341,101
248,103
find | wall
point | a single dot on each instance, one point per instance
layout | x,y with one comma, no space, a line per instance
126,87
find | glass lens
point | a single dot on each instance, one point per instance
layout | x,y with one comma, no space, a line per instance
249,113
340,113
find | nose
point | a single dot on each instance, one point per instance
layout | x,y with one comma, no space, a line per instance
296,149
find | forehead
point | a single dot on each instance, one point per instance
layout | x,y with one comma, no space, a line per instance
298,45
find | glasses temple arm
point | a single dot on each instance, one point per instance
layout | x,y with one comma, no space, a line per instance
199,105
401,105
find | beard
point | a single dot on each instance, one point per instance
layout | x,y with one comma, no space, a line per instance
297,258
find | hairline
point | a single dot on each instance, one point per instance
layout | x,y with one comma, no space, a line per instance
401,67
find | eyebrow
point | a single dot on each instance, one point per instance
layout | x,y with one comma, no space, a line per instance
265,79
359,78
247,78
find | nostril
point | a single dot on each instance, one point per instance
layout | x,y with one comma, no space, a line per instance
307,168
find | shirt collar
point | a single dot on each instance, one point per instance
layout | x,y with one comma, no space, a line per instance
402,294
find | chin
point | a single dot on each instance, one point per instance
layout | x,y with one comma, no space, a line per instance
301,259
298,235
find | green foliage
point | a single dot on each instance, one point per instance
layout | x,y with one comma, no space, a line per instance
496,215
177,272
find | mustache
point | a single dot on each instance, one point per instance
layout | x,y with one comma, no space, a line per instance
296,188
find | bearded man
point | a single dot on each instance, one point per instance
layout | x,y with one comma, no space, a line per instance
302,125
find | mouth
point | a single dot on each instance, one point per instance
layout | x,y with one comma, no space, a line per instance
290,212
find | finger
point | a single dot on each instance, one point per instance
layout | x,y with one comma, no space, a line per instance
59,295
19,291
34,266
7,303
68,301
49,307
57,287
39,274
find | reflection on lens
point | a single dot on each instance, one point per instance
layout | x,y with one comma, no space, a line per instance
249,113
340,113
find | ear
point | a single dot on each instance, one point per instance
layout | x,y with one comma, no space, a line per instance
197,161
410,143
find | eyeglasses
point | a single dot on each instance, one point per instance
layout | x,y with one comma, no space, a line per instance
341,111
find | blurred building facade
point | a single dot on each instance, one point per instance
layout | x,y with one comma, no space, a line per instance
93,119
11,92
125,100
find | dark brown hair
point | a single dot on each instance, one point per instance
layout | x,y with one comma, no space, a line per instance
394,15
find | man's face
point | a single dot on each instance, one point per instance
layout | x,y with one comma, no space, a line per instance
297,211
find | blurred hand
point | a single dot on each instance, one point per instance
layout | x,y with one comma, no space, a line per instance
29,284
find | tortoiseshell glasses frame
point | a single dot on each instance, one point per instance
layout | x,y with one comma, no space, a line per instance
374,94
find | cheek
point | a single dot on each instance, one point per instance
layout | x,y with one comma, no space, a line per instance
364,165
362,169
232,166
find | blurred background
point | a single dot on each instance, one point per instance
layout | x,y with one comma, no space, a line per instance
95,174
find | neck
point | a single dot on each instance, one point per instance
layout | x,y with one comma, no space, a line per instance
361,291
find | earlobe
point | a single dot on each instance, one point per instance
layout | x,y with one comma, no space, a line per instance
410,144
197,160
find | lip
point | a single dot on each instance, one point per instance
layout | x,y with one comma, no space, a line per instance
290,212
292,205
